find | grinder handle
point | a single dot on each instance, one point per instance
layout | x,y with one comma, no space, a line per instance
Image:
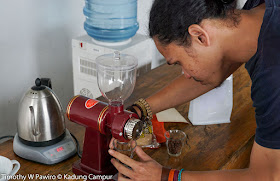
46,82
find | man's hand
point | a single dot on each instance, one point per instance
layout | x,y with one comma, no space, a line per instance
145,170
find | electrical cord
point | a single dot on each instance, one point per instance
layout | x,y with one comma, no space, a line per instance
78,146
3,137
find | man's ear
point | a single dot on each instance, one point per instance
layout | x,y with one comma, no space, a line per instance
199,35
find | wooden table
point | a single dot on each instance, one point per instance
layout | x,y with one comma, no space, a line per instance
212,147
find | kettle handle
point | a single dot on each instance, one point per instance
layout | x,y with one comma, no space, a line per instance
46,82
35,127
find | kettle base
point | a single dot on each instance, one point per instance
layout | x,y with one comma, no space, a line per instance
48,155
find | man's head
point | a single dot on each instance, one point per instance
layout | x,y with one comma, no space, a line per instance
189,33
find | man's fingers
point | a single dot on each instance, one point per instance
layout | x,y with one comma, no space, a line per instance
142,155
124,159
111,146
122,178
121,168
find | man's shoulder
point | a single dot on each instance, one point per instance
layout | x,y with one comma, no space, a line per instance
268,53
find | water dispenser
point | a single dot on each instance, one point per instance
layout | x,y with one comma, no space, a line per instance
111,20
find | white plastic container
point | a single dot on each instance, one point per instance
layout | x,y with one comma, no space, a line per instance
213,107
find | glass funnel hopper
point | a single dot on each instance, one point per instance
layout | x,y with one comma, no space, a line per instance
116,76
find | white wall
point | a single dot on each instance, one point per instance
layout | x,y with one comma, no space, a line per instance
35,41
143,12
240,4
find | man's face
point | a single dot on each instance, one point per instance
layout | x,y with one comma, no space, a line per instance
202,64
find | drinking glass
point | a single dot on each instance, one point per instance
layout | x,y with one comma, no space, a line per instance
126,148
175,141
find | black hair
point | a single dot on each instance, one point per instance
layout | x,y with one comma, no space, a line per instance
170,19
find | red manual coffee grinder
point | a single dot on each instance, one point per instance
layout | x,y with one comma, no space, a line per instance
116,76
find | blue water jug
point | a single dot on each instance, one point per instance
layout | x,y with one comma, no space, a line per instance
111,20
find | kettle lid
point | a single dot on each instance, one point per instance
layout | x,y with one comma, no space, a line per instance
41,89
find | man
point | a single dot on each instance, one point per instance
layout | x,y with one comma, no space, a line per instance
210,40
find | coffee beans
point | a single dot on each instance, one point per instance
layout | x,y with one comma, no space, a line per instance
175,146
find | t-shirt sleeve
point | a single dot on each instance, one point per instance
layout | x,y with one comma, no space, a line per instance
266,98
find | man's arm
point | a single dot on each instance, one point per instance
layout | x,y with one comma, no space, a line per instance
182,90
264,165
179,91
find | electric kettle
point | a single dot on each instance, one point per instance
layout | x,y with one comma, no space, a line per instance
40,117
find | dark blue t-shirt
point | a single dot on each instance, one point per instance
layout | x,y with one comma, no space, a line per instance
264,70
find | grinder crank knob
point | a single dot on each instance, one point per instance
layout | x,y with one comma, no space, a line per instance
133,128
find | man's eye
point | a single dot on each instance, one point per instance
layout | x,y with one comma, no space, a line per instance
176,63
